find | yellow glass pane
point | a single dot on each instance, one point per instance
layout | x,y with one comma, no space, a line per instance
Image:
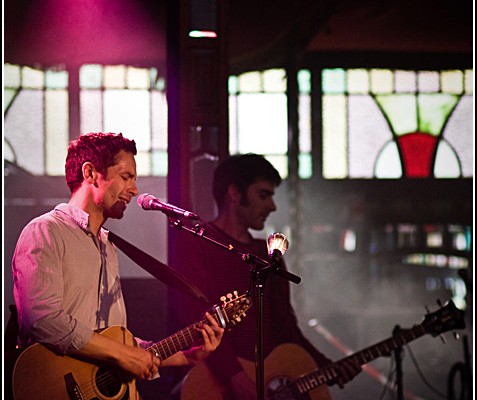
250,82
358,81
452,82
334,137
381,81
115,76
33,78
137,78
274,80
469,81
405,81
428,81
56,130
11,76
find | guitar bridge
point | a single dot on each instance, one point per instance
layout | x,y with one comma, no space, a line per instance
72,387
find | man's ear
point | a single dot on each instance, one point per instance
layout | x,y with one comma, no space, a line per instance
233,193
90,174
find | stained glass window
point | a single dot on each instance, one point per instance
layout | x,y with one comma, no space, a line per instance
381,123
36,118
119,98
258,118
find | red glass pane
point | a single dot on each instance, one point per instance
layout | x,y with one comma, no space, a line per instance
417,151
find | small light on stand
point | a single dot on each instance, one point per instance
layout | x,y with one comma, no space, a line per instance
277,242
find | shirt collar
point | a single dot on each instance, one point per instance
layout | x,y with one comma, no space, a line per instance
80,217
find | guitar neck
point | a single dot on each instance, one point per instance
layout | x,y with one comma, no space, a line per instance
178,341
381,349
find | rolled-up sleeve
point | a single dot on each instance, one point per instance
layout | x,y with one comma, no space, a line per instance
39,290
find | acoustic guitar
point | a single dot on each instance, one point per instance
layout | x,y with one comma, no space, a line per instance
41,374
291,374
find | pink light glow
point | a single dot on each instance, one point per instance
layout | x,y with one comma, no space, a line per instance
88,31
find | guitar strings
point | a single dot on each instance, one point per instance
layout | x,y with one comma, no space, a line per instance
110,377
179,341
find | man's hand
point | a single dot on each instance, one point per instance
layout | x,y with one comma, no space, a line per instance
211,337
139,363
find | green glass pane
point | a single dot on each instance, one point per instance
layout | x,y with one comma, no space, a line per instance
159,163
434,109
304,81
56,79
91,76
160,84
400,109
306,166
304,112
334,80
233,84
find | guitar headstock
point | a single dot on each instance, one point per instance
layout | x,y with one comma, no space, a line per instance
443,320
233,308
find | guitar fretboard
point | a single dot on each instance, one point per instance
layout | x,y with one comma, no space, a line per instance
176,342
325,375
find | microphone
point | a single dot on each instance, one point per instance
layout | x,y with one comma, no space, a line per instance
149,202
277,244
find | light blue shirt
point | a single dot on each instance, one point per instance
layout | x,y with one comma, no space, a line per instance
66,281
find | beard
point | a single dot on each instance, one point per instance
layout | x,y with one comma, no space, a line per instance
116,211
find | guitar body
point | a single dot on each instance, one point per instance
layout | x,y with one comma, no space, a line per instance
284,364
41,374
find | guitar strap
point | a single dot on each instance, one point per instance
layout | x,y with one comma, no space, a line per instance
158,269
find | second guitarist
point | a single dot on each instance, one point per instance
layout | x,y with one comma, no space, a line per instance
243,187
65,270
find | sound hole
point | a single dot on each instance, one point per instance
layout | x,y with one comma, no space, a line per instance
108,381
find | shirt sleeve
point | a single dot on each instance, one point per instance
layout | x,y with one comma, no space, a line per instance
38,291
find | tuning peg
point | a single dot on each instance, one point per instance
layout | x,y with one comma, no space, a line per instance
439,302
427,309
443,338
456,335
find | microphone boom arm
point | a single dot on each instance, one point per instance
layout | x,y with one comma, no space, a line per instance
247,257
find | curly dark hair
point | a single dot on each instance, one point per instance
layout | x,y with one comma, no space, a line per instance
242,170
98,148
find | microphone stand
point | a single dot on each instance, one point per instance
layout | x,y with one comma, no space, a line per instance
399,370
259,274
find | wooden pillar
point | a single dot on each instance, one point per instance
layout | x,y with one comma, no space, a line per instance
197,97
